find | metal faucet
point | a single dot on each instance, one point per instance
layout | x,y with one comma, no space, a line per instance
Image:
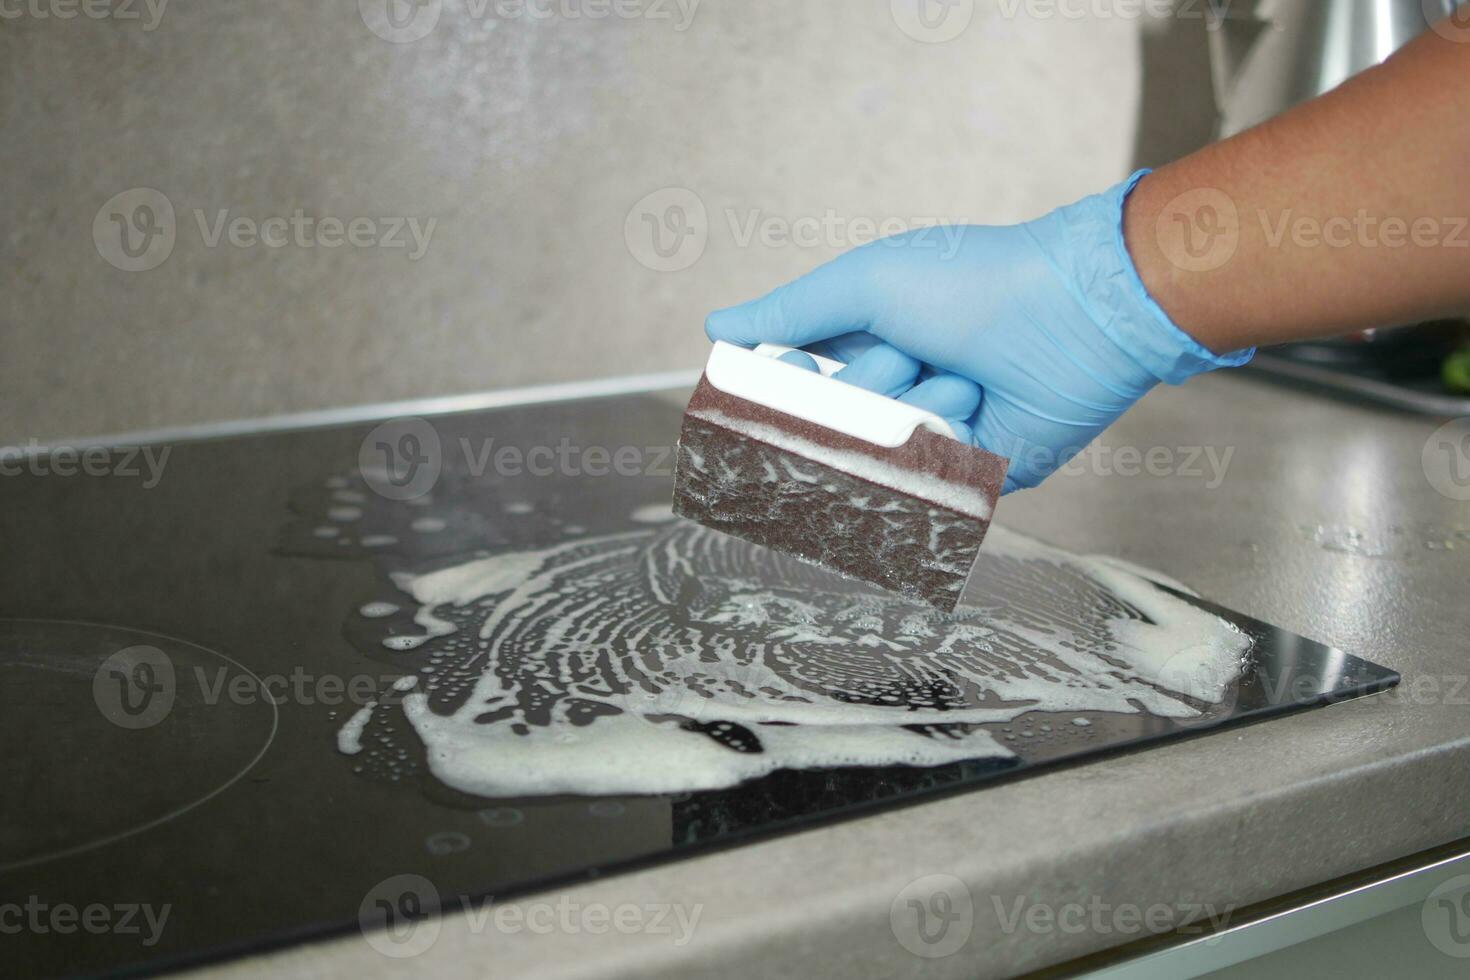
1268,55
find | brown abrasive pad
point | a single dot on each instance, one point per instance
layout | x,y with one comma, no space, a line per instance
916,542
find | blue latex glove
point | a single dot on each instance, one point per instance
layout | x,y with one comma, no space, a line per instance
1048,320
883,368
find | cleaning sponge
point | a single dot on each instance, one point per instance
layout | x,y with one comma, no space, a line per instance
834,474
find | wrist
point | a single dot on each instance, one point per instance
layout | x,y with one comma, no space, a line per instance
1174,237
1116,295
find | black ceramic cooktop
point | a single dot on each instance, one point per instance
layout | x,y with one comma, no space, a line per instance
183,638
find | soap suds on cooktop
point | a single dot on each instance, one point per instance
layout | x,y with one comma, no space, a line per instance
349,736
675,658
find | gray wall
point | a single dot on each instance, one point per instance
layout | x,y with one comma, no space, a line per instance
528,141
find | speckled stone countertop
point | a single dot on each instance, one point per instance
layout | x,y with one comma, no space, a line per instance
1325,521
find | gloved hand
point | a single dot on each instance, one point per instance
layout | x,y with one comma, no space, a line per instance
1048,319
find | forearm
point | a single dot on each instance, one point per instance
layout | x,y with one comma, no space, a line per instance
1347,212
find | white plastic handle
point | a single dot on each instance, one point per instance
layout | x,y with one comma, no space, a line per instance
826,365
759,376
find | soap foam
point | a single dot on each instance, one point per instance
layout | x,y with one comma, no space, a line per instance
349,736
674,658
